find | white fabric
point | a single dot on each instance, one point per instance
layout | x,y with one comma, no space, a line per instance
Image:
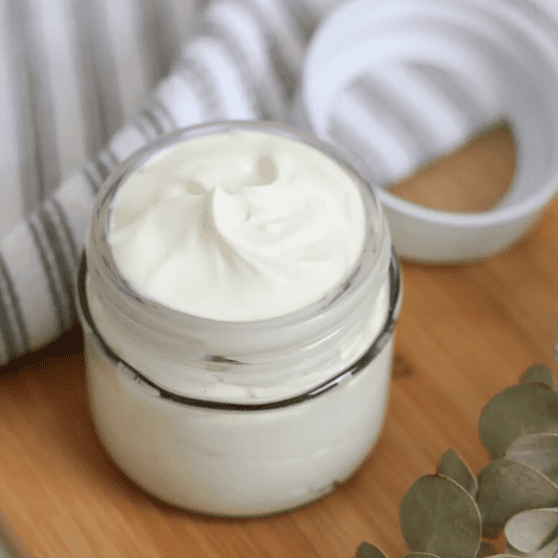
84,83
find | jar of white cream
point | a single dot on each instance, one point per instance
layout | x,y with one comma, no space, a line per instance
238,297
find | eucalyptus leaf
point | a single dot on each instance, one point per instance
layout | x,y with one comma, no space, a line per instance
453,466
511,551
420,555
538,373
495,553
438,516
538,450
367,550
532,530
518,410
486,549
548,551
509,487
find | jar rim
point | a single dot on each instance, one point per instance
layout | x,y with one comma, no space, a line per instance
270,358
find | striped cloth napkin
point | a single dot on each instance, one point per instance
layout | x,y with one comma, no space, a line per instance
83,84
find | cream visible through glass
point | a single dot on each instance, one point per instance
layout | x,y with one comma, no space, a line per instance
237,226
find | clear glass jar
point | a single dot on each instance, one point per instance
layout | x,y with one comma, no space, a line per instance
239,418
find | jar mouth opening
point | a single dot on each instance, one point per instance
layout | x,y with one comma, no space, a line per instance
374,235
394,309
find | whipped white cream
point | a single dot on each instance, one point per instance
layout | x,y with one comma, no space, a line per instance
237,226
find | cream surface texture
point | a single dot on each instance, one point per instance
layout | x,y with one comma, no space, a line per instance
237,226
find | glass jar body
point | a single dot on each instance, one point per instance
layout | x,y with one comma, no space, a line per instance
236,463
239,419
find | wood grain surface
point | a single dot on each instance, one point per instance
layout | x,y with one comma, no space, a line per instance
465,333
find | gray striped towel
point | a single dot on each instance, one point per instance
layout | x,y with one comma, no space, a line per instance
85,83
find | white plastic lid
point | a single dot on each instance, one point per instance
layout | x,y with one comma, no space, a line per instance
399,84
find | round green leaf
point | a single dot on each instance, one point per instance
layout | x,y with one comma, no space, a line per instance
495,553
438,516
538,450
367,550
538,373
548,551
532,530
511,551
451,465
509,487
518,410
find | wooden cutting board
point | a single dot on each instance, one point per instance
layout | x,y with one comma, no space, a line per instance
465,333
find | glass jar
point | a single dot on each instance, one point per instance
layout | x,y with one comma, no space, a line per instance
239,418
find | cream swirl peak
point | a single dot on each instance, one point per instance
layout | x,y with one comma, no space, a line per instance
237,226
